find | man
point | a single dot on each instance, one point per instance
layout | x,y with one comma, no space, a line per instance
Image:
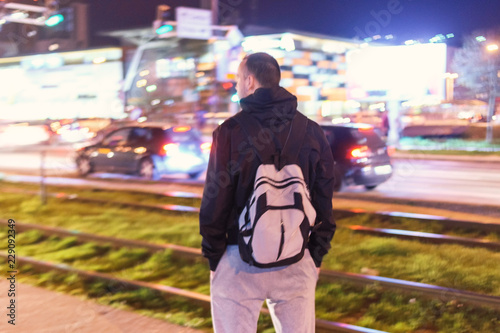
238,289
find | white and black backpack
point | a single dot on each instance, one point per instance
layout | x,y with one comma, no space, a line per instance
276,222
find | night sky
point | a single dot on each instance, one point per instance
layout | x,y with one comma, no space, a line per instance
408,19
405,19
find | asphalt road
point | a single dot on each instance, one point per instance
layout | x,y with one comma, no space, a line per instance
474,182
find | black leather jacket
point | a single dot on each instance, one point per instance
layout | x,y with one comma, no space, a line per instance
233,164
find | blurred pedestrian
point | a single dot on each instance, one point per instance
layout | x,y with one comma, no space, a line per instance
385,123
239,286
201,121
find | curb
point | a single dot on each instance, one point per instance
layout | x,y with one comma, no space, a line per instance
458,158
485,209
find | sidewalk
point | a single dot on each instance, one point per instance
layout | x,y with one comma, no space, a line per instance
43,311
494,158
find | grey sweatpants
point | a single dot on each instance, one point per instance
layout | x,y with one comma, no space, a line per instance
238,291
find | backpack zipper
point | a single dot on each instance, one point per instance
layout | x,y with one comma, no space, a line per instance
282,241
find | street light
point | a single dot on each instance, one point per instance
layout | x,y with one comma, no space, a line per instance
492,48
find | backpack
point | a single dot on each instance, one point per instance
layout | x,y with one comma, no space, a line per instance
275,224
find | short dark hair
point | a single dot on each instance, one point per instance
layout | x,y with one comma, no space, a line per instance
265,69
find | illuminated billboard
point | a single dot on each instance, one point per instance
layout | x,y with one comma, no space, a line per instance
396,72
77,84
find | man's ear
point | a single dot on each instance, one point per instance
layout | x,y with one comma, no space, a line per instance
252,83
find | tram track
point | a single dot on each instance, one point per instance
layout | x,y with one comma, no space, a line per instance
428,290
193,297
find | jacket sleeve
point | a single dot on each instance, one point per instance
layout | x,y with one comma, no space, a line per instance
218,197
322,193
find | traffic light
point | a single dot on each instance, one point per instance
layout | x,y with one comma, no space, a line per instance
164,29
54,17
228,86
161,25
230,89
54,20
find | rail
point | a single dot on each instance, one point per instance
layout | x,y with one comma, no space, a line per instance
326,275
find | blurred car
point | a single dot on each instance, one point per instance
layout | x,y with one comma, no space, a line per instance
148,151
361,156
114,124
22,134
78,130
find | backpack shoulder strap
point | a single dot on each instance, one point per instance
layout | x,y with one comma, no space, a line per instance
295,139
293,143
252,128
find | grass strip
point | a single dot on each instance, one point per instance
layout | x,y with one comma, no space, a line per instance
451,146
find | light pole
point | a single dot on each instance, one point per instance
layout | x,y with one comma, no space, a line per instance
450,85
492,49
215,12
213,5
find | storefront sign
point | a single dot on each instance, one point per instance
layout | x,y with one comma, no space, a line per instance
194,23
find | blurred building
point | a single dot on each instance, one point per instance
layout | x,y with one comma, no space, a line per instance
168,75
182,78
313,67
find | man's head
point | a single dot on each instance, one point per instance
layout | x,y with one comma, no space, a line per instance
257,70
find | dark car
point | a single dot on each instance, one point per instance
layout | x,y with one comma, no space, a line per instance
149,151
361,156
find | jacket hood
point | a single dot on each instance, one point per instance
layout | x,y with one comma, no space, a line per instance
270,103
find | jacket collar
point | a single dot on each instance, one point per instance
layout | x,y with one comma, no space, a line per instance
266,103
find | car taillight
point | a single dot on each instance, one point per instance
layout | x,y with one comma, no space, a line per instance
359,152
170,148
391,150
181,129
206,146
366,128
